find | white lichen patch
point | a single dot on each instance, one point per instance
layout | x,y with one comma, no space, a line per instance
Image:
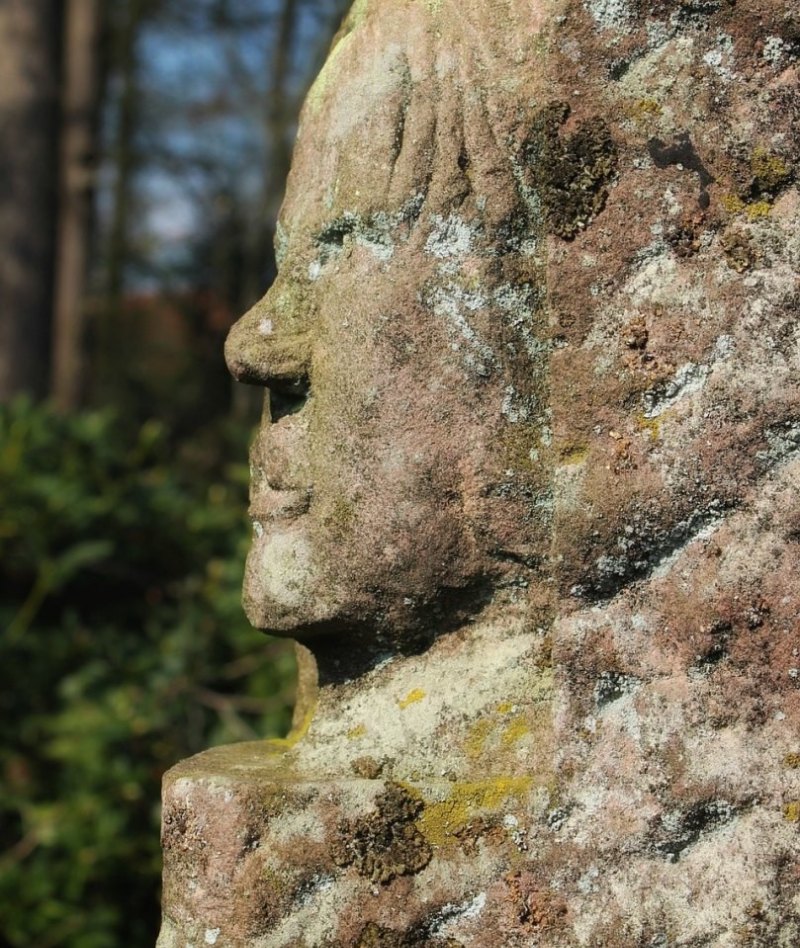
720,58
283,567
375,235
281,243
519,304
611,14
375,232
450,236
687,380
653,281
783,442
568,485
516,407
451,303
698,537
774,50
654,76
406,737
448,916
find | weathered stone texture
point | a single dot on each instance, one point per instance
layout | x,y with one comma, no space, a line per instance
536,516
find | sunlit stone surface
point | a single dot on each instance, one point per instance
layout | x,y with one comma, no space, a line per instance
529,495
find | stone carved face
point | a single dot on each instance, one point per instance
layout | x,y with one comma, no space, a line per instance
398,476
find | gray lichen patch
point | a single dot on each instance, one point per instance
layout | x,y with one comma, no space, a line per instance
385,844
378,232
455,306
783,442
450,236
688,380
614,15
678,830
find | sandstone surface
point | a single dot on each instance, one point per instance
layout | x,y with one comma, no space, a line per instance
530,499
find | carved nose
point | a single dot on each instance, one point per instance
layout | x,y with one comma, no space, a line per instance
258,352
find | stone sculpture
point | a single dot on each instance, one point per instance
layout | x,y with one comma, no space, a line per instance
526,494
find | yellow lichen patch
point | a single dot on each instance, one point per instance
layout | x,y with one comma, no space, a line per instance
505,707
574,454
651,425
477,737
770,171
732,203
643,109
356,732
758,210
440,822
792,761
516,729
411,698
755,210
297,733
791,811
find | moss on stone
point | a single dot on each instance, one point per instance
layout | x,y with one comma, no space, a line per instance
770,172
340,517
521,447
373,935
317,92
385,844
570,172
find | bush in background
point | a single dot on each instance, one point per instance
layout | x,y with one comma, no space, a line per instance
124,648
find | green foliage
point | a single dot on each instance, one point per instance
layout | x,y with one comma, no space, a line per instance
124,648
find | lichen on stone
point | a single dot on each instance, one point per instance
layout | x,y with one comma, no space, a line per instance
791,811
443,822
385,844
770,172
373,935
571,173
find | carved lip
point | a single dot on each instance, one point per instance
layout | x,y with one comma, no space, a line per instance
279,505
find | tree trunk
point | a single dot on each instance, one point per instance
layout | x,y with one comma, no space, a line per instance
78,133
29,74
123,149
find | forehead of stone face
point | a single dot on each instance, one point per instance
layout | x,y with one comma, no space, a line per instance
409,86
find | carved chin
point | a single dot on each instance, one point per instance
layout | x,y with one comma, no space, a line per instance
279,581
